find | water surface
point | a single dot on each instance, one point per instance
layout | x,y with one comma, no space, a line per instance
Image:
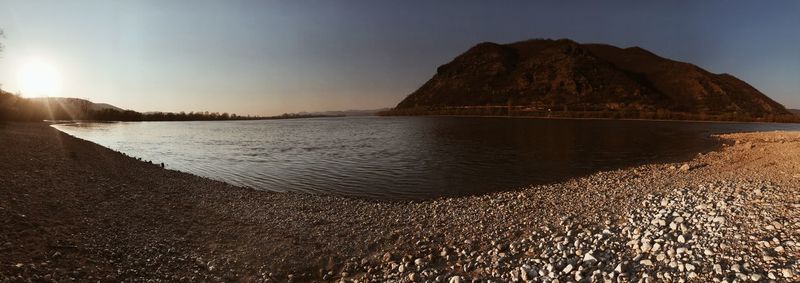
404,157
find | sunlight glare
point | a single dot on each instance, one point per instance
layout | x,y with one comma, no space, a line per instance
39,78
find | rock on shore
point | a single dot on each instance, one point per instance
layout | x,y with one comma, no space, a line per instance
725,231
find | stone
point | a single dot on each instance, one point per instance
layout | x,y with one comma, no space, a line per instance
656,247
645,248
681,239
646,262
455,279
689,267
787,273
755,277
567,269
419,262
619,268
413,277
589,258
685,167
525,273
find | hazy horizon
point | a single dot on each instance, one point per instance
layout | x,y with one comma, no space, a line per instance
268,58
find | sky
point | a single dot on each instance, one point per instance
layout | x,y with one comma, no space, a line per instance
273,57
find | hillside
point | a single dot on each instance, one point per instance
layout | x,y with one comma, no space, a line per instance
14,107
562,75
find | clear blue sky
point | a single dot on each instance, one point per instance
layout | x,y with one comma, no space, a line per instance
271,57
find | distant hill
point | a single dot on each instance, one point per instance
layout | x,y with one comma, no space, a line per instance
795,111
104,106
562,75
75,104
15,107
368,112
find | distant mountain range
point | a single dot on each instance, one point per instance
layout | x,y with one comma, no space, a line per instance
563,75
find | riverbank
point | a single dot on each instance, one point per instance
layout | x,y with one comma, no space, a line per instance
72,209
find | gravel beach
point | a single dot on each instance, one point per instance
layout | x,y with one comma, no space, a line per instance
73,210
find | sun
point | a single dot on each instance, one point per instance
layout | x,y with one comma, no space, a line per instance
39,78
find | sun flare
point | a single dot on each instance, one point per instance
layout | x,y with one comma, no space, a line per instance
39,78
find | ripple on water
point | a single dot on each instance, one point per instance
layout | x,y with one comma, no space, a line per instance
404,157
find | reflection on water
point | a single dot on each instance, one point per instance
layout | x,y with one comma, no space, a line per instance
403,157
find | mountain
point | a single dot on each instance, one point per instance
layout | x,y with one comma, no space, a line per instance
566,75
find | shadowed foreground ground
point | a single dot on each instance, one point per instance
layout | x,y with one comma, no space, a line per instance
70,209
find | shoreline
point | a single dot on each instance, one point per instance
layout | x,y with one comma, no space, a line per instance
81,211
594,119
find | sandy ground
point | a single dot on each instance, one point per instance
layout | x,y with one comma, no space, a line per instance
70,209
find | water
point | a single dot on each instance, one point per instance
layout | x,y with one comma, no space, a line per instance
404,157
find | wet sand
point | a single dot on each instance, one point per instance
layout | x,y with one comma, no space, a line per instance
70,209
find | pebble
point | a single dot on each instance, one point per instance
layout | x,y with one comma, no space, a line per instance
567,269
